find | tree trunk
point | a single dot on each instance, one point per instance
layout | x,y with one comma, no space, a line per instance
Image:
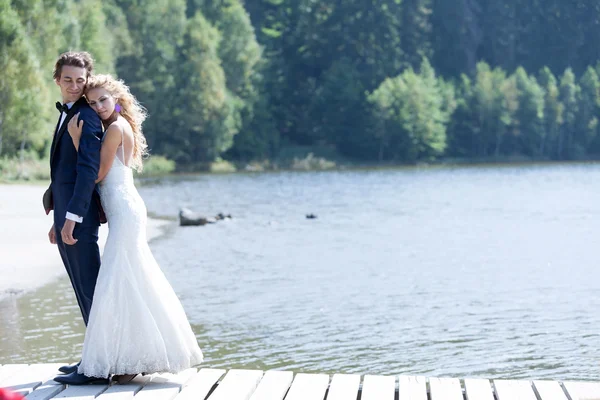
499,135
22,154
559,149
1,123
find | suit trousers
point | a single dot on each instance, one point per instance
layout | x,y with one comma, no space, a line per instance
82,262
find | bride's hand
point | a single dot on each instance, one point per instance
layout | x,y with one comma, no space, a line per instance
75,126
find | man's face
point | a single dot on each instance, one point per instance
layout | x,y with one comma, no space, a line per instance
72,82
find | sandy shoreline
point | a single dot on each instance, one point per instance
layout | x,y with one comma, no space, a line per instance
27,259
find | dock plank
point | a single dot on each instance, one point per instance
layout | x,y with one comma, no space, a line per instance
46,390
26,380
273,386
8,370
160,380
201,384
376,387
445,389
165,386
513,390
308,387
83,392
238,384
583,390
478,389
35,383
125,391
549,390
412,388
344,387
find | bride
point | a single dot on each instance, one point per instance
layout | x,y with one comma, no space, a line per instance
137,324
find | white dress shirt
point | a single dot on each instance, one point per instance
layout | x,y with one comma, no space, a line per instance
63,116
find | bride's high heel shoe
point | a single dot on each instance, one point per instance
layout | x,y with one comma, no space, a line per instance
123,379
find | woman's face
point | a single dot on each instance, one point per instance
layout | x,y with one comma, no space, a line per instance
102,102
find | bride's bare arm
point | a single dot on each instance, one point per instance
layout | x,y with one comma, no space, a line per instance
112,140
110,143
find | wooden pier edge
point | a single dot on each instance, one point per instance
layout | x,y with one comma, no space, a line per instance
35,382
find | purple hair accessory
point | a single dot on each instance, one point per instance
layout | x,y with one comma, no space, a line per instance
117,108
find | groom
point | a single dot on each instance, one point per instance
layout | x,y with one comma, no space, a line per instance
72,192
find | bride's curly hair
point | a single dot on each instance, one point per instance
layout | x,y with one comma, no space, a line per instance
131,110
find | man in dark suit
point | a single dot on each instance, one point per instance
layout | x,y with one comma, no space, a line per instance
72,192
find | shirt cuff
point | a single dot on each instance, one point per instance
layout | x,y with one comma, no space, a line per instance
74,217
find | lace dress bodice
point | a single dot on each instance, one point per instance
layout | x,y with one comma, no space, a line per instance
119,195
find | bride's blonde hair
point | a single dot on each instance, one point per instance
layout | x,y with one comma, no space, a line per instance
131,110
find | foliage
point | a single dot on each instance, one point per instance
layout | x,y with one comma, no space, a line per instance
244,80
158,165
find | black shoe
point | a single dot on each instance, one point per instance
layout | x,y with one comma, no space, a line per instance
75,378
67,369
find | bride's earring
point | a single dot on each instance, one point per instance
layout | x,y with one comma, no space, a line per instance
117,108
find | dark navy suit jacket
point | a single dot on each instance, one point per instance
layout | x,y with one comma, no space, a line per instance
73,173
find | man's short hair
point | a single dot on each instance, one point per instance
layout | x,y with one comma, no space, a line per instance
81,59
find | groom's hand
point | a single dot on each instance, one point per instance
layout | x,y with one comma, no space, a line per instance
67,232
52,235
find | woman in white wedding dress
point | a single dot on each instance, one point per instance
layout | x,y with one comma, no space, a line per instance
137,324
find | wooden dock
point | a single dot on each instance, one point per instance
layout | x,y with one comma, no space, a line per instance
35,383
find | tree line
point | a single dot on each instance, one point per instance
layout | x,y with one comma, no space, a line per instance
373,81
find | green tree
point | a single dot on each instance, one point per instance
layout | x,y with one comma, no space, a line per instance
23,122
587,118
457,35
416,31
241,59
568,95
413,119
150,69
205,113
484,111
553,112
340,109
94,35
527,120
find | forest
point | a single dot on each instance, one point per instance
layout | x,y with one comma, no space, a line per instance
356,81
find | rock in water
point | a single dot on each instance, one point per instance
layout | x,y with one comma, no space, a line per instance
190,218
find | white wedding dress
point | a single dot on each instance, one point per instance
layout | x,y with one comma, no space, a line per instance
137,324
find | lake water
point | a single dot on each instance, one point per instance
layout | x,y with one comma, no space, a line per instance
467,271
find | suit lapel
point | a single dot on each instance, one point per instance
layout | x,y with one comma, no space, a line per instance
63,128
54,138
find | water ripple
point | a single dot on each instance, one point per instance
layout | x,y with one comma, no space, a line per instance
489,272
